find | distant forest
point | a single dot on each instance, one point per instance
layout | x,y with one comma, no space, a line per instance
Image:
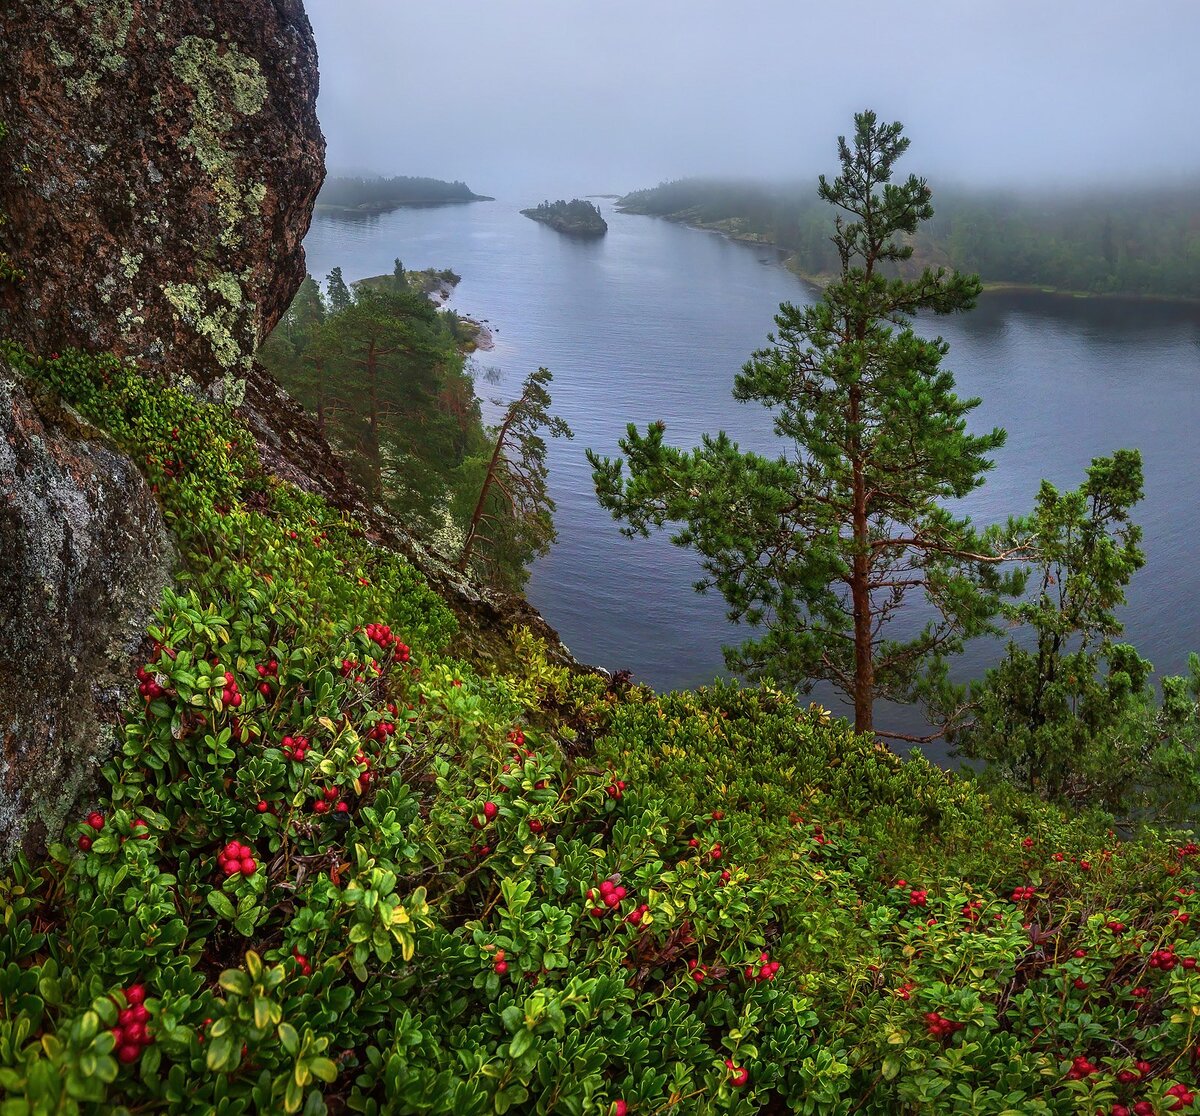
379,194
1137,242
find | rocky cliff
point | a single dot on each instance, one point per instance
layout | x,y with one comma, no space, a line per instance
159,174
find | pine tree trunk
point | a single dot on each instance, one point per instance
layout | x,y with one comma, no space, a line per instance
488,477
864,664
376,464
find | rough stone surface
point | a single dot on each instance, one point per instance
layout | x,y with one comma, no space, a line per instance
159,175
84,558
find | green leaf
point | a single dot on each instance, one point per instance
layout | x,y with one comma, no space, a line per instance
323,1069
289,1038
235,981
220,903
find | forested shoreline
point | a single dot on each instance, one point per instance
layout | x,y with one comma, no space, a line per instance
1132,243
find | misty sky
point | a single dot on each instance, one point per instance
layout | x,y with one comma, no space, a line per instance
543,97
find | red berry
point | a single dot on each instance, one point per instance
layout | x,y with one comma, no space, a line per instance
84,843
501,967
95,820
262,806
128,1053
619,1108
248,866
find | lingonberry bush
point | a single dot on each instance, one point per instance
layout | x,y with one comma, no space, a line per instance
335,867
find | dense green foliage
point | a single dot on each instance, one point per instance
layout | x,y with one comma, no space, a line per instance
577,217
379,195
1070,712
818,548
384,372
452,891
1134,241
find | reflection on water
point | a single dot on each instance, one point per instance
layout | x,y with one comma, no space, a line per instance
652,322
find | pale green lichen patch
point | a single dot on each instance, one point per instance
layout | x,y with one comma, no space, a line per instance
225,84
218,312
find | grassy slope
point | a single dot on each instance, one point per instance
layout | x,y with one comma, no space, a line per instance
355,965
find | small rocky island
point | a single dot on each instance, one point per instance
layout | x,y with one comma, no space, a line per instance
575,217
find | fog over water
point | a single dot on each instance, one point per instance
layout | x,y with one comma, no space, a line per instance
559,96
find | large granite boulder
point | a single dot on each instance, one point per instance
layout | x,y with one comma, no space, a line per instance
84,558
159,175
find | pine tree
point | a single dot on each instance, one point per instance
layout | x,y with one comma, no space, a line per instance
819,548
339,294
512,520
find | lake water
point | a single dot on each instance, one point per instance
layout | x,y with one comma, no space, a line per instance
653,321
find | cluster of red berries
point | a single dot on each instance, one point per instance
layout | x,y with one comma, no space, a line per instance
148,687
1027,843
381,731
268,671
970,911
1023,894
1115,927
1081,1068
1190,849
130,1033
1127,1077
940,1027
331,799
616,789
295,747
766,969
724,879
490,810
637,914
918,897
94,821
1164,959
740,1075
1183,1098
302,962
230,695
699,972
906,989
499,965
608,898
517,737
363,761
236,858
1142,1108
382,635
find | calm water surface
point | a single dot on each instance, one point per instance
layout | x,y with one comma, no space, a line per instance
653,321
